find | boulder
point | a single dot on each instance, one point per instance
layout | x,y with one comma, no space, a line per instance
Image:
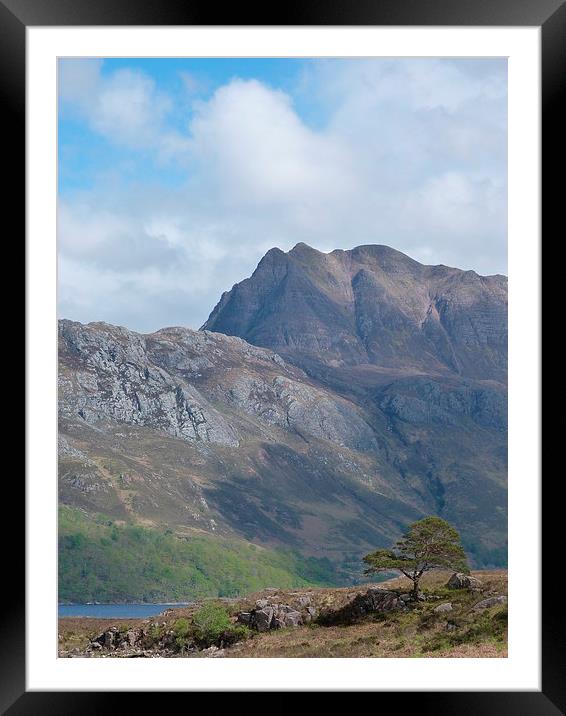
262,619
446,607
286,617
261,603
244,618
491,602
379,600
459,580
292,619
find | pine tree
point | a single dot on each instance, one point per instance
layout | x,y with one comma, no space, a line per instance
431,543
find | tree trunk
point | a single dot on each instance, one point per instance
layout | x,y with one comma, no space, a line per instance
415,592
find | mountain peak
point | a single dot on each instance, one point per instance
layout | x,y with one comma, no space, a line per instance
370,305
302,248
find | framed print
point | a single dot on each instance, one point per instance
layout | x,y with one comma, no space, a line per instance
283,352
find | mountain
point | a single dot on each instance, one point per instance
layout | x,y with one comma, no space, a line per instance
422,350
329,400
371,306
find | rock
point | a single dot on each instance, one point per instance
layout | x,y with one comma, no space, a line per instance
118,379
450,626
132,637
491,602
304,601
286,616
309,615
293,619
244,618
373,601
95,645
406,597
262,619
378,600
261,603
459,580
446,607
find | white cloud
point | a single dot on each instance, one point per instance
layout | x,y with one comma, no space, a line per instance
412,154
252,146
125,107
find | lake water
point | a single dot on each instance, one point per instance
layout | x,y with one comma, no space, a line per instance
113,611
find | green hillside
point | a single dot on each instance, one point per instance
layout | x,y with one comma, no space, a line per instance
101,560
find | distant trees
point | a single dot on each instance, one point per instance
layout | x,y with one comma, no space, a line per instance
430,543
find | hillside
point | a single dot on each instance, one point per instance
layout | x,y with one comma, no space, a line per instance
109,561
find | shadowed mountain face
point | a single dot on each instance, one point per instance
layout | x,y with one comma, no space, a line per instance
371,306
353,392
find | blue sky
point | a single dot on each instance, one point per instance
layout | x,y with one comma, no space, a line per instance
176,175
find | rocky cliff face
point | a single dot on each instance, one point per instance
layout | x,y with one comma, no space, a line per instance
357,391
370,306
175,379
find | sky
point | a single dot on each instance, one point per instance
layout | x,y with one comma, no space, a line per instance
175,176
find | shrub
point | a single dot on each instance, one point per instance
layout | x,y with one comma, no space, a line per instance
182,627
211,621
155,632
236,632
182,630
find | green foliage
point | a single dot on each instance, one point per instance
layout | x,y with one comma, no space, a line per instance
212,625
182,627
105,561
155,632
210,622
430,543
237,632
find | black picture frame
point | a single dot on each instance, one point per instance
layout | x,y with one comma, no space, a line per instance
550,15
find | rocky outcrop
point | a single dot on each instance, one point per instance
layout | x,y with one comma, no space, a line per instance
423,401
374,601
107,374
460,580
180,381
490,602
267,616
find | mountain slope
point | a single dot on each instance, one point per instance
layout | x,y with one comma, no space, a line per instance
201,432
